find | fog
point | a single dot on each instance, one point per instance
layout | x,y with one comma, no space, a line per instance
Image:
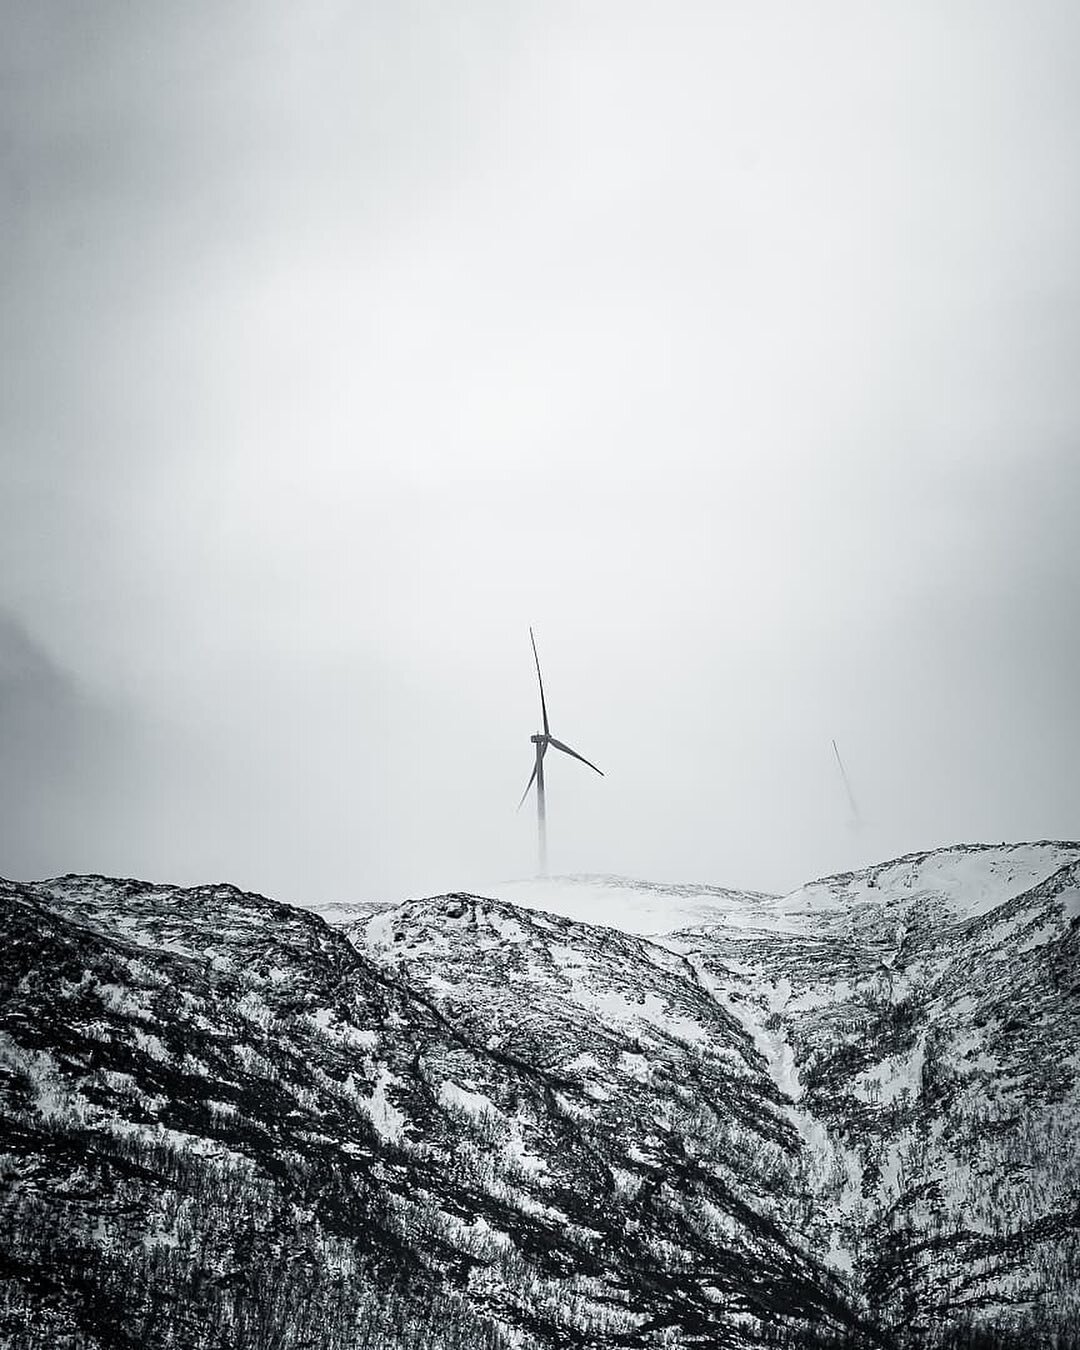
733,347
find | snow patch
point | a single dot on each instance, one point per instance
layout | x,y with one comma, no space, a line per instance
473,1103
383,1114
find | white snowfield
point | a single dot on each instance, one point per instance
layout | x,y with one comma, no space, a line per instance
641,907
941,885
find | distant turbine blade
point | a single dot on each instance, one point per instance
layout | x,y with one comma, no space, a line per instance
543,705
528,785
567,751
847,787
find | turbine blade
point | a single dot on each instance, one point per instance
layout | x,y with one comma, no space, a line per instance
528,785
567,751
847,786
543,705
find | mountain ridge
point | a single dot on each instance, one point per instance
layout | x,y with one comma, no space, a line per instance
461,1121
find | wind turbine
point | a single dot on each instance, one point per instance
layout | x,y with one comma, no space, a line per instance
541,741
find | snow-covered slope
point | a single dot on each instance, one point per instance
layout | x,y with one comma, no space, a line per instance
844,1116
920,1021
937,886
214,1104
923,891
928,1036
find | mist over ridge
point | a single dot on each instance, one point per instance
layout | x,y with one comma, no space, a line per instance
731,349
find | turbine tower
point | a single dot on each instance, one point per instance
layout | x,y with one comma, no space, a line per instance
541,741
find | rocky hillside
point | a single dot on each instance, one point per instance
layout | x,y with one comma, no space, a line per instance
843,1117
924,1021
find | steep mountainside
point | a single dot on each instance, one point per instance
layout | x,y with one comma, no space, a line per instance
209,1097
929,1039
846,1116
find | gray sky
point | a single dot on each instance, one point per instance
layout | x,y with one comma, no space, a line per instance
733,346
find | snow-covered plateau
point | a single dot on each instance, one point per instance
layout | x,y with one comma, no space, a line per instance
577,1112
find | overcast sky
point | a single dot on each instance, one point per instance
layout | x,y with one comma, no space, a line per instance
734,346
